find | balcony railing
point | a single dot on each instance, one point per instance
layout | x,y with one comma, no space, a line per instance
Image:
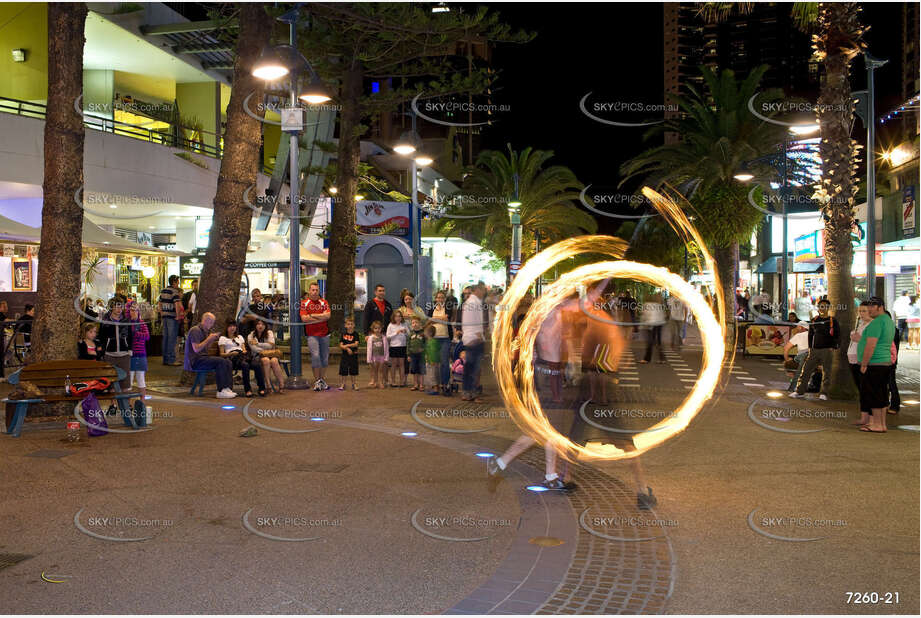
173,136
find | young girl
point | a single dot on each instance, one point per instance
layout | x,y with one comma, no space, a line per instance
432,361
262,340
378,355
140,336
457,369
416,349
233,348
87,347
396,340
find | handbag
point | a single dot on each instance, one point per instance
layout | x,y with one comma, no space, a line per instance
273,353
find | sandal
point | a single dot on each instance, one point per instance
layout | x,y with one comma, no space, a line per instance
867,429
414,388
248,394
262,393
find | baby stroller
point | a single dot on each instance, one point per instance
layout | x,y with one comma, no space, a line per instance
457,377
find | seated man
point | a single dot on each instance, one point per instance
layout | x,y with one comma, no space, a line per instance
197,358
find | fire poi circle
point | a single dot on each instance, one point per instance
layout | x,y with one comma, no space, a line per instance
522,401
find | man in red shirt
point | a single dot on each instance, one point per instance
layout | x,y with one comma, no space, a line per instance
315,312
377,309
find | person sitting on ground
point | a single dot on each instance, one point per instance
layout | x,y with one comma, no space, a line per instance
197,358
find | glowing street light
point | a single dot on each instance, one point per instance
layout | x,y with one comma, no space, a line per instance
274,63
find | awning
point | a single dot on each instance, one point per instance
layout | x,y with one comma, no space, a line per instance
772,265
93,236
17,232
809,267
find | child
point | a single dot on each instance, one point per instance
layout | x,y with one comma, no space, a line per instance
348,361
378,355
457,369
88,348
432,360
396,339
416,349
140,336
457,344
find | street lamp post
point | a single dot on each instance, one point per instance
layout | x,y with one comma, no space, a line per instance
783,168
272,66
514,212
408,146
870,121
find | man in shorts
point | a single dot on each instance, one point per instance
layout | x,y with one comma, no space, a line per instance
315,312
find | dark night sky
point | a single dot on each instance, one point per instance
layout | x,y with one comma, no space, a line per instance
615,50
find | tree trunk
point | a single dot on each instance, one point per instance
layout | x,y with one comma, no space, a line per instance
59,262
727,267
219,289
343,240
838,29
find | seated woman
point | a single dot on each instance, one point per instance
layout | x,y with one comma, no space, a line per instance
234,349
262,342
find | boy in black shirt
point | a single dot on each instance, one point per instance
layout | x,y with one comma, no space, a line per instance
348,362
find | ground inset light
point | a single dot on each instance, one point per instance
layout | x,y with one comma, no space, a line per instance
409,434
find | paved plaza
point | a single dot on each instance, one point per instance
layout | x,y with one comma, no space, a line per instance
356,502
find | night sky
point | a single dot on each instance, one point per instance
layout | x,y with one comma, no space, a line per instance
615,50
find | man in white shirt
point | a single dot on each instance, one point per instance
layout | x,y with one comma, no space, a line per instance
677,316
901,308
799,340
473,339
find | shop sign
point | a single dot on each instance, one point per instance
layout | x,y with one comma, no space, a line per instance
190,266
909,208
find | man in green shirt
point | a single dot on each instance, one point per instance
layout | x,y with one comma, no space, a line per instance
874,351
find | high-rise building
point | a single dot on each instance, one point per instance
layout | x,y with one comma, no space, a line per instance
766,35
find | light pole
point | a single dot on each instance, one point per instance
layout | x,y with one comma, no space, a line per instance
275,63
782,168
408,145
514,213
866,109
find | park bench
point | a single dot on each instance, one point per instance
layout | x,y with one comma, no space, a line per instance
50,377
201,376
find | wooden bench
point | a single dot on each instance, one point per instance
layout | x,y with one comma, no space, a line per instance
50,378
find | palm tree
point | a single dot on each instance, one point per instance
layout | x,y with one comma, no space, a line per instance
548,197
62,218
230,231
837,40
718,134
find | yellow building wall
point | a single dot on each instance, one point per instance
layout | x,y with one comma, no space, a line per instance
145,87
24,25
199,101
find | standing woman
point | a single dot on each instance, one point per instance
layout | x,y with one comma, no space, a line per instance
440,316
262,341
863,318
117,340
